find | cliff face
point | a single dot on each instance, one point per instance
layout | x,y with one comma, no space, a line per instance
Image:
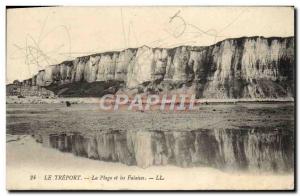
253,67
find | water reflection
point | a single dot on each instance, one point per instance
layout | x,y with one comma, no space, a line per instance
227,149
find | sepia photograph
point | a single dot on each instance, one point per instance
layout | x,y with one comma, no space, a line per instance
136,98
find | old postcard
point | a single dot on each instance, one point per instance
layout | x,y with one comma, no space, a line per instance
150,98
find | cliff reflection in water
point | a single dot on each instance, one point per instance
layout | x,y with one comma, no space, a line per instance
243,149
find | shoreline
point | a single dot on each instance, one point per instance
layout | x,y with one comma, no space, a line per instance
90,100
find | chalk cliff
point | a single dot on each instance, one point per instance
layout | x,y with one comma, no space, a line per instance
247,67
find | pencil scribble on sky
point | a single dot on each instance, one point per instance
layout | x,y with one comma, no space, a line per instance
36,52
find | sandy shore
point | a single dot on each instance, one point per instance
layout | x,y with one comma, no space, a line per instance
26,158
77,100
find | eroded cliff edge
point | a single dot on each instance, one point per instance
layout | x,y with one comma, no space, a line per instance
247,67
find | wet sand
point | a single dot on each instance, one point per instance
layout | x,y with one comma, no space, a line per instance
26,157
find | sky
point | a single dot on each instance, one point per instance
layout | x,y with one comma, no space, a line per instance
37,37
